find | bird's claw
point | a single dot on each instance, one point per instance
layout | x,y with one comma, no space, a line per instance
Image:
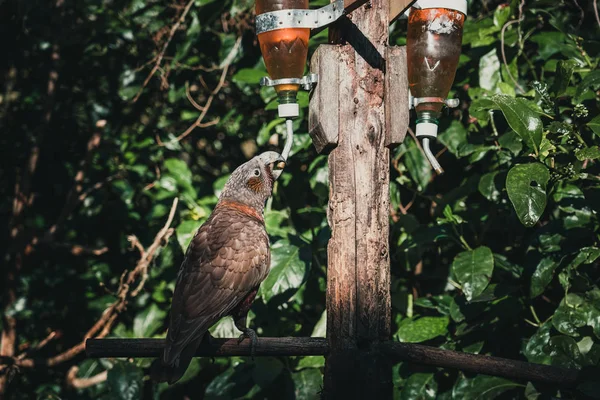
250,334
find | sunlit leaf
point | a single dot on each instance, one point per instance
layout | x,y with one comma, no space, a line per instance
526,186
473,269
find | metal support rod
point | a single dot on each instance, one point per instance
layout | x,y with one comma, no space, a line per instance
432,160
289,138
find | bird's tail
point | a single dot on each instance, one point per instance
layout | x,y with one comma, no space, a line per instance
173,369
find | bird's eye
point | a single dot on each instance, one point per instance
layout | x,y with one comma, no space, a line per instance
257,172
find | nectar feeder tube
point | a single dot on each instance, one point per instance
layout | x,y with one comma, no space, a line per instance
434,42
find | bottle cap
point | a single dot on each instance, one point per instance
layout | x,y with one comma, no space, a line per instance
427,129
289,110
458,5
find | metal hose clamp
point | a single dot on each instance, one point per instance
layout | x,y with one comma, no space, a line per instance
450,103
415,101
307,82
299,18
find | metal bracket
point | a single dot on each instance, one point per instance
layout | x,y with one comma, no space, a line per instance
415,101
307,82
299,18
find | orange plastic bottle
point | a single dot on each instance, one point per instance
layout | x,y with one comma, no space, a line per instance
284,50
433,48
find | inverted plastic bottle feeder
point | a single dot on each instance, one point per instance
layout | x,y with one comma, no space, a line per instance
434,41
283,28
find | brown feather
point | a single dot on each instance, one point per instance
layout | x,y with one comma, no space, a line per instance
227,259
255,184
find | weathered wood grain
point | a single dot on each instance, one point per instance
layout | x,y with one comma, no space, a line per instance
397,7
358,275
396,96
323,116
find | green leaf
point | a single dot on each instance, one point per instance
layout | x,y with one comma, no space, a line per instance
590,351
544,272
482,387
537,350
526,187
266,370
125,381
249,76
185,233
488,187
232,383
417,165
564,352
576,311
274,220
564,72
588,153
320,329
288,270
422,329
591,79
179,170
307,384
147,322
455,139
419,386
502,15
191,372
489,70
311,362
225,328
511,142
473,269
520,116
594,125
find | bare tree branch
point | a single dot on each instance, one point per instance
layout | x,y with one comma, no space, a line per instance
82,383
204,109
161,55
106,321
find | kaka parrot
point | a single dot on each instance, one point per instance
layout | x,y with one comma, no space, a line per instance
224,265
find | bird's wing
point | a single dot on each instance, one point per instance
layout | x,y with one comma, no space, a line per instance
228,257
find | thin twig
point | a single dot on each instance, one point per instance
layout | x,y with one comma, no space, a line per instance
502,50
135,243
104,324
191,99
78,250
595,3
161,55
82,383
204,109
581,13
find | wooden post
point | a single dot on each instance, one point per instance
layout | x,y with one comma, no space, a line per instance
348,116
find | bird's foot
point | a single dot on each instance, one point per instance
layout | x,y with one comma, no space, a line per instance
250,334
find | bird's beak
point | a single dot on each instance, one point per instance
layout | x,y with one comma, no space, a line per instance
277,166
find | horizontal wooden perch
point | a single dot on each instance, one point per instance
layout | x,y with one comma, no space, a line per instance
481,364
138,348
303,346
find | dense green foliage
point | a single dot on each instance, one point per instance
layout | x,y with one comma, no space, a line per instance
498,256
